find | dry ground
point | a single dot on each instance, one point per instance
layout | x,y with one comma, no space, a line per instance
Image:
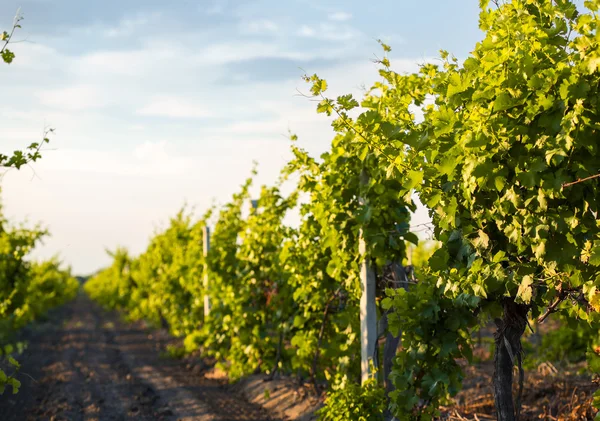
84,364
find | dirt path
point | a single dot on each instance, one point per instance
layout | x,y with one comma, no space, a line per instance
87,365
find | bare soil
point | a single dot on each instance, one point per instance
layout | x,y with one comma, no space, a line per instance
549,394
83,363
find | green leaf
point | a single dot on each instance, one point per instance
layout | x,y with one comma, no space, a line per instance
439,260
387,303
499,257
414,178
540,249
457,85
364,152
482,241
13,362
412,238
503,102
525,291
594,259
391,131
593,63
591,5
325,106
499,182
8,56
434,200
16,384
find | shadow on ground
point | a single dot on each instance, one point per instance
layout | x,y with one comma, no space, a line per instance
84,364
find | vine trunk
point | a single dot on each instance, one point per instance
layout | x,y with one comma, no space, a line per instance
508,352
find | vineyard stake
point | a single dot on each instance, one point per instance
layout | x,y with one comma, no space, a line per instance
368,314
368,307
206,248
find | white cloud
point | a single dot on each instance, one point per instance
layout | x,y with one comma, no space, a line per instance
174,107
128,63
216,8
128,26
340,16
392,39
124,28
119,165
36,56
20,116
153,152
306,31
76,97
150,158
155,157
328,32
232,52
261,26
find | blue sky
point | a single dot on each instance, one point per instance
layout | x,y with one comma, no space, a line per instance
159,103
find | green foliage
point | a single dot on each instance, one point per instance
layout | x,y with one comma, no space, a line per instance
281,299
31,153
568,343
5,37
253,307
348,401
420,255
27,289
502,150
351,195
162,285
434,335
497,157
24,157
113,286
174,352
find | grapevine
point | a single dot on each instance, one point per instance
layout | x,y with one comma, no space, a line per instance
501,148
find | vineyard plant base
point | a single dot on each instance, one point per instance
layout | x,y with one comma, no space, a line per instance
554,391
563,395
549,396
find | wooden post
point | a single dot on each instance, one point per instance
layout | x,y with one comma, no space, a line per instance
368,315
368,306
206,248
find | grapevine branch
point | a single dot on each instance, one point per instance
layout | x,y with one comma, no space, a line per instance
552,307
277,358
31,156
351,127
321,333
31,153
580,180
18,18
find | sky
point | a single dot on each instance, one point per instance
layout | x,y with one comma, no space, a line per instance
156,104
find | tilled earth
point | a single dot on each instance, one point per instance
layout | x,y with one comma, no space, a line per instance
84,364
